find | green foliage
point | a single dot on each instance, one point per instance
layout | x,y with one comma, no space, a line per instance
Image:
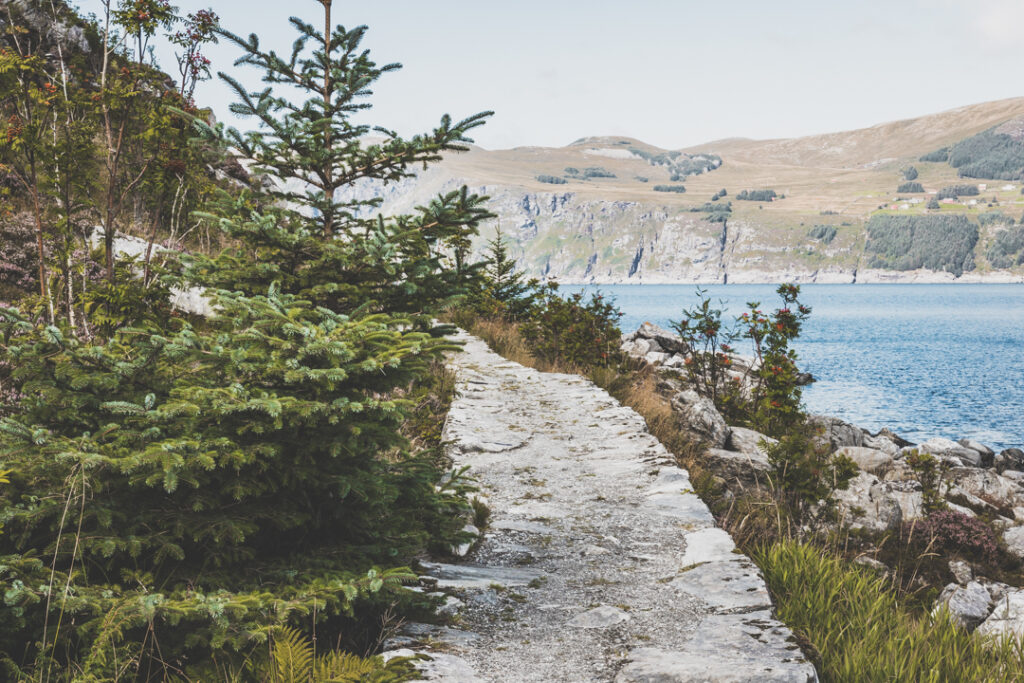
551,180
678,189
571,332
910,187
957,191
989,154
823,233
806,472
571,170
1007,249
597,172
858,630
939,155
768,395
757,195
994,218
505,294
680,165
936,241
293,659
910,173
928,469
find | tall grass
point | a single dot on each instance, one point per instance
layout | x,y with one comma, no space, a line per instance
858,630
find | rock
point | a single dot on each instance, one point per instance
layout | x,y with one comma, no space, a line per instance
699,415
961,571
1007,618
731,585
666,340
674,362
1014,538
977,446
802,379
727,648
469,577
867,459
968,605
984,488
837,432
911,504
887,433
656,357
872,563
951,452
868,503
1014,458
599,617
881,443
746,469
747,440
708,545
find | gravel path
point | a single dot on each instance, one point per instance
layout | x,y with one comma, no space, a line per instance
599,563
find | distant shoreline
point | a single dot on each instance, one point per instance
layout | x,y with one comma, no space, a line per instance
871,277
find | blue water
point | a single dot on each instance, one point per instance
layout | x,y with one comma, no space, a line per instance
923,360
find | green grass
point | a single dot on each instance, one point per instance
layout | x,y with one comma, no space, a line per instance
857,629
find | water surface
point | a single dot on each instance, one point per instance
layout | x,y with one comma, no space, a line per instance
923,360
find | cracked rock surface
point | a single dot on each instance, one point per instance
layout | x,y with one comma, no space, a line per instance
599,563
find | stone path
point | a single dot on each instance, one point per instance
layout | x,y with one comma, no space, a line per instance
599,563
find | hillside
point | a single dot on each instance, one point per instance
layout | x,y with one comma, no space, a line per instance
614,209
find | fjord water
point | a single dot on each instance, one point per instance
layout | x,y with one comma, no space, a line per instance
923,360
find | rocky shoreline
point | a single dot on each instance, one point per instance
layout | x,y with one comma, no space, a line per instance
823,277
971,478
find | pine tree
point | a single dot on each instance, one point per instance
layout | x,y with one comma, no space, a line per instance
308,234
504,286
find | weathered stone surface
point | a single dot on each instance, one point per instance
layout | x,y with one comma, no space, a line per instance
961,571
439,667
968,605
668,341
951,451
1014,538
599,617
868,459
911,504
699,415
1013,458
747,440
837,432
742,469
727,648
590,510
1007,616
868,503
977,446
984,487
882,443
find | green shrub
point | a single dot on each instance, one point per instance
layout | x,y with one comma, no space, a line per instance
823,233
1007,250
858,630
994,218
597,172
936,241
933,203
570,170
910,187
551,180
572,332
957,191
757,195
679,189
989,154
939,155
910,173
505,293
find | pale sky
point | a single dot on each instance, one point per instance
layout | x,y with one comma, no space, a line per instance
673,73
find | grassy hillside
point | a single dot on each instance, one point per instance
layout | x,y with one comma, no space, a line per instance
836,181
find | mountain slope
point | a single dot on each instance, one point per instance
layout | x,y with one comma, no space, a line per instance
612,209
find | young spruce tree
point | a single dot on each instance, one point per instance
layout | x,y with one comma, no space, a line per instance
179,491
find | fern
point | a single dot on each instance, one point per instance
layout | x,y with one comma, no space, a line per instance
292,660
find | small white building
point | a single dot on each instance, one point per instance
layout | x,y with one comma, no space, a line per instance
1009,188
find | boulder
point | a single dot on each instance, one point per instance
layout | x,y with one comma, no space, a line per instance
837,432
747,440
868,503
911,504
1014,539
666,341
887,433
951,452
1007,618
656,357
699,415
867,459
977,446
746,469
984,488
1013,459
961,571
969,605
881,443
